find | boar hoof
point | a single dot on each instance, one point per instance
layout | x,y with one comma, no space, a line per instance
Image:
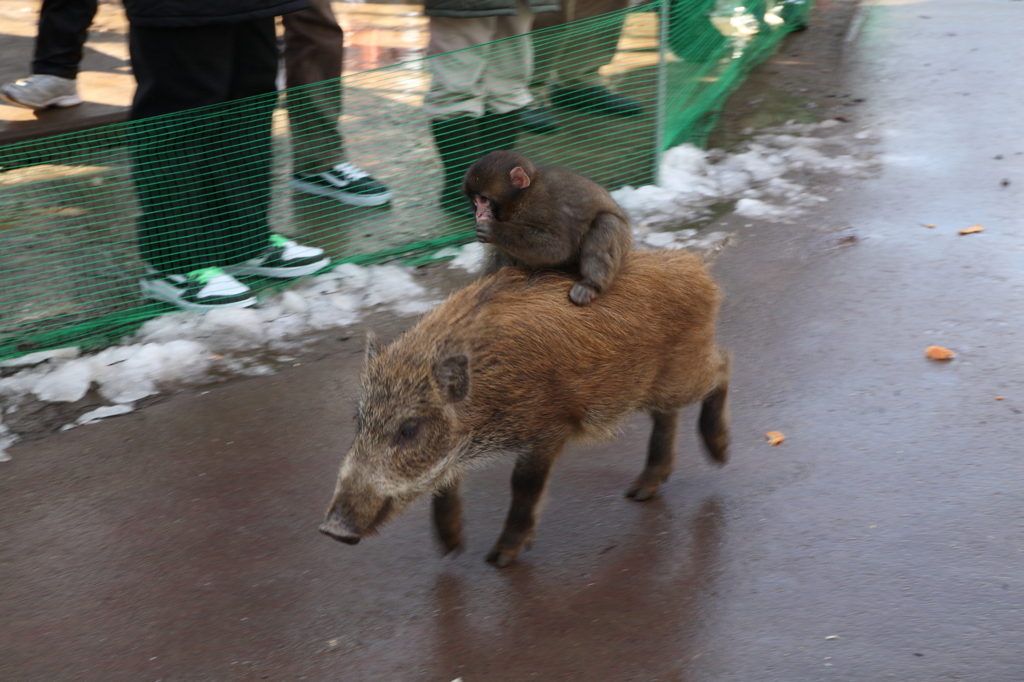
642,489
451,548
502,557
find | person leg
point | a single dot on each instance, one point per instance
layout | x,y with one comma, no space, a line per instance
314,46
506,78
580,58
243,166
63,28
238,156
455,100
577,82
313,50
506,81
547,47
456,79
175,69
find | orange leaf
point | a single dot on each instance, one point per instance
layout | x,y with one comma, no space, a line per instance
999,397
774,437
929,224
972,229
939,353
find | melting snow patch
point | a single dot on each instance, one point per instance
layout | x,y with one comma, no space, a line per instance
7,439
190,348
470,258
102,413
764,179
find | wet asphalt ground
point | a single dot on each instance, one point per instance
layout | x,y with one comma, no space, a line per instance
881,541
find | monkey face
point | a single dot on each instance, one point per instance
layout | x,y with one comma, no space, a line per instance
484,208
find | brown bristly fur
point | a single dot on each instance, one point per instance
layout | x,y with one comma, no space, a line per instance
508,366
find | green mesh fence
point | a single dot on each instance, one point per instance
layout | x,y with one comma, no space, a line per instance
79,213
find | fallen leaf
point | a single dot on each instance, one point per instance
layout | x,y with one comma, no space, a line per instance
774,437
999,397
939,353
972,229
929,224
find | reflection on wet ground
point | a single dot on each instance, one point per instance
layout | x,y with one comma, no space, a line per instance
645,602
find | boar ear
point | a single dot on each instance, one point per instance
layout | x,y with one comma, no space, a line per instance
372,346
519,178
452,374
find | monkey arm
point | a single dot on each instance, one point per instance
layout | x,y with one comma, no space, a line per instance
536,246
603,249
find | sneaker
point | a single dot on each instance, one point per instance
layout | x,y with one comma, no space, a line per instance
283,259
41,91
346,183
540,121
198,290
595,99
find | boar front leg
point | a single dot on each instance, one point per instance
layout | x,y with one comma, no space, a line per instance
529,478
448,517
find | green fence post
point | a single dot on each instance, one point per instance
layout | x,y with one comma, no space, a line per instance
659,126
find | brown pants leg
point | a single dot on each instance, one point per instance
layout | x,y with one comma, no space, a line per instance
493,79
314,47
573,61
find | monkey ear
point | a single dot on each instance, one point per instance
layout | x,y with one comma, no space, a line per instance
372,346
519,178
452,374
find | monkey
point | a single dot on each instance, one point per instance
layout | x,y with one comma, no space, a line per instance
547,218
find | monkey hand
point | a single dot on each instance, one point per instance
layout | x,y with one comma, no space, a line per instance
484,230
582,294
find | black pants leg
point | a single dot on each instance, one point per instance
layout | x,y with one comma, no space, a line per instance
63,29
202,166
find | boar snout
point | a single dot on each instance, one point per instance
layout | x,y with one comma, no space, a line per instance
352,516
340,531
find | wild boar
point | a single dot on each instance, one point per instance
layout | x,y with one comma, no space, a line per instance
509,367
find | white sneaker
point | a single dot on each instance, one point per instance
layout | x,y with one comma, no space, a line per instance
203,289
41,91
283,259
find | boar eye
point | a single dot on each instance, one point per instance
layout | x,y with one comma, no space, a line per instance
408,431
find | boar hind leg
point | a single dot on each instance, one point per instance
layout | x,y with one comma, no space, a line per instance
660,452
447,507
714,416
529,478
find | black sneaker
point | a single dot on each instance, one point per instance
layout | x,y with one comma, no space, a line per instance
197,290
346,183
596,100
539,121
283,259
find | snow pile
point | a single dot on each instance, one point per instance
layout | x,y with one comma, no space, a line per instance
192,347
764,179
470,258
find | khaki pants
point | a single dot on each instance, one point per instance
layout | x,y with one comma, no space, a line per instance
314,47
493,79
573,61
